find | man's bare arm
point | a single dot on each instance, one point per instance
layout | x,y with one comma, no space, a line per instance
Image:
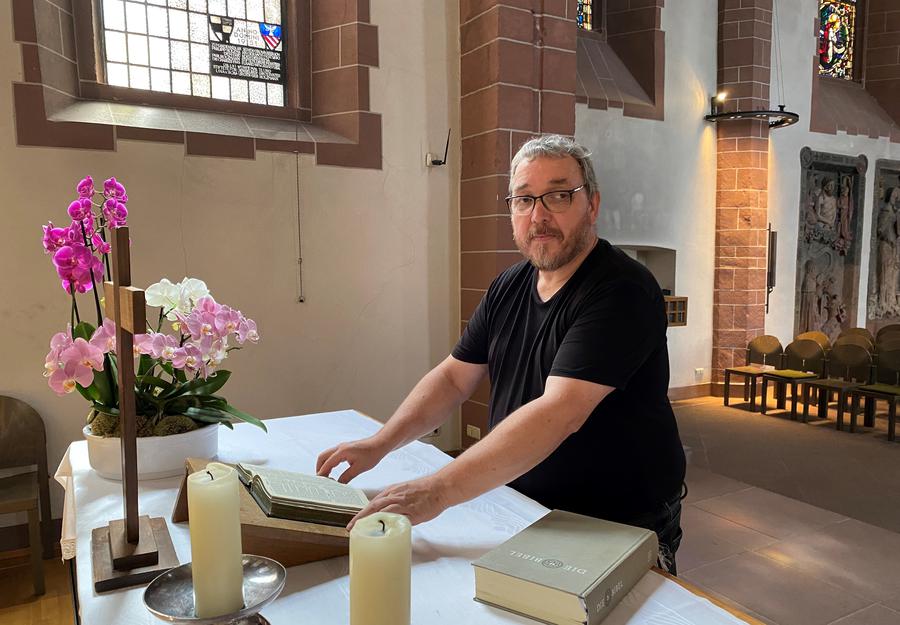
519,443
426,407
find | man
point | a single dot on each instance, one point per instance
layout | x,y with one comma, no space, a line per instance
574,341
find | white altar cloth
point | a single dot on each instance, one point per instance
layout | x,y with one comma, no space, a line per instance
443,582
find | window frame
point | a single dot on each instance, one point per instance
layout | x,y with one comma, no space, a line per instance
859,46
93,86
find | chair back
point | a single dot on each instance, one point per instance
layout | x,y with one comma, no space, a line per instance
23,442
805,355
850,362
892,334
814,335
887,365
857,332
765,350
891,327
856,339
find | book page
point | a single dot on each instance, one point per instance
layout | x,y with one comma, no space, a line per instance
306,488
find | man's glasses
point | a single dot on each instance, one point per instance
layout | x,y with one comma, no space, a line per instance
553,201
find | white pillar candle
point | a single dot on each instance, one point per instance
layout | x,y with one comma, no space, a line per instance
214,510
380,560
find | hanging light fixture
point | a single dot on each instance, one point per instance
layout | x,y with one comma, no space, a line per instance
776,119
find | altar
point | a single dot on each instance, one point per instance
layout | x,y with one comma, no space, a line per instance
443,583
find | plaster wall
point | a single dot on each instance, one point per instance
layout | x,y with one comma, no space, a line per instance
380,255
798,41
658,178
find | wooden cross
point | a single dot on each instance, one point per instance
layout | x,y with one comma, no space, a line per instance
135,549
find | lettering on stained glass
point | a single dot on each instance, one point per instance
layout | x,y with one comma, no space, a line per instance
241,49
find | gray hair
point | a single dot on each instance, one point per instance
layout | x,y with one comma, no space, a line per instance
557,146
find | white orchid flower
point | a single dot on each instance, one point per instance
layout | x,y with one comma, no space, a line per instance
192,289
164,295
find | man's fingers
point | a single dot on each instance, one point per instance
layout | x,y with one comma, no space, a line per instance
333,460
323,457
349,474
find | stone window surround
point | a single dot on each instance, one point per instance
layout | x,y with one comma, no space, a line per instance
58,105
629,32
855,109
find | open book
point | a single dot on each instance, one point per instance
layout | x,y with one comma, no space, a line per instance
301,497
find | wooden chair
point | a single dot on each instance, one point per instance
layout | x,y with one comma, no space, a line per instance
804,360
857,332
891,335
886,386
814,335
890,328
849,367
763,352
23,444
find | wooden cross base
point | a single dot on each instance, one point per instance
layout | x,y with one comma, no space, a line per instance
119,564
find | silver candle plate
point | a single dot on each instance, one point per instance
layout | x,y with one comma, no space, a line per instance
171,595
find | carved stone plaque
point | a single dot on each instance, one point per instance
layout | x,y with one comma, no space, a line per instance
832,191
883,306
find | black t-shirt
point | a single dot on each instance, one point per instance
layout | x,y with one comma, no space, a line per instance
606,325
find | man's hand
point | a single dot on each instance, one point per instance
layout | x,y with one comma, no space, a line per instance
361,455
419,500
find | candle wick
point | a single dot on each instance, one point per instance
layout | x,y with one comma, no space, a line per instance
383,528
210,475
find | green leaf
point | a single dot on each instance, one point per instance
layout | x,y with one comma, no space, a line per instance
89,393
83,330
209,416
243,416
210,385
145,364
152,381
105,409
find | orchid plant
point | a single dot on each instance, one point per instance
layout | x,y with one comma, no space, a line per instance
179,371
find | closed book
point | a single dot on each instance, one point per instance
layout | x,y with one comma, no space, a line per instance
301,497
565,568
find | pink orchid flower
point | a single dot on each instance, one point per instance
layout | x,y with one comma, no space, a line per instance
227,320
59,342
188,358
115,213
103,247
80,208
55,238
114,189
246,331
85,188
163,346
104,337
77,365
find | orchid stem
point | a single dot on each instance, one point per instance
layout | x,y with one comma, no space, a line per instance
93,282
74,303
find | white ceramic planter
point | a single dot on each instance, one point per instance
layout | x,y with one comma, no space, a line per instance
158,456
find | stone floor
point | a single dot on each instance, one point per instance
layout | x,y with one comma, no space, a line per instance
796,524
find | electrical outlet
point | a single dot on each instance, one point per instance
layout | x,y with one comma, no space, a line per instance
698,374
473,431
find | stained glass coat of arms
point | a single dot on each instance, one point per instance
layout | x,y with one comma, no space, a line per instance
226,49
837,38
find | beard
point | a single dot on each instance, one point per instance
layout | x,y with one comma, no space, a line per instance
539,254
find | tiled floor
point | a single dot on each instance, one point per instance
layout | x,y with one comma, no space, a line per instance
787,560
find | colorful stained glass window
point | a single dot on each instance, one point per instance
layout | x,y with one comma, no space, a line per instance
225,49
585,15
837,38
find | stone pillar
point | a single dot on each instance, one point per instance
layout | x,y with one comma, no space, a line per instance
517,75
742,178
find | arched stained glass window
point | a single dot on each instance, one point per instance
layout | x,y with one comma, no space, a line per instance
585,15
837,38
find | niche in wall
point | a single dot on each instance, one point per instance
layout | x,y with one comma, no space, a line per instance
659,260
828,242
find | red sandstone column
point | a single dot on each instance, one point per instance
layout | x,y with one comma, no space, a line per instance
742,178
518,75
